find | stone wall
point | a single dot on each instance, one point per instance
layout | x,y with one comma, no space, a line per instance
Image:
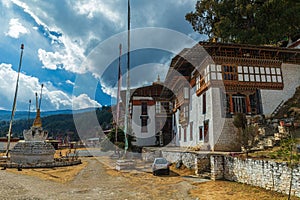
262,173
192,160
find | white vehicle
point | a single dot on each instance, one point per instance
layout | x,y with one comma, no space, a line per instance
160,165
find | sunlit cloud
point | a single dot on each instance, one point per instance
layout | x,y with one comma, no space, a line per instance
53,98
16,29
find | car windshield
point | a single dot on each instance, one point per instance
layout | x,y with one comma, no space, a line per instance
161,161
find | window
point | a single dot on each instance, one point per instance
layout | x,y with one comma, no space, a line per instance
278,71
170,107
179,136
200,133
230,72
191,131
186,93
184,134
215,72
144,124
186,111
206,136
198,82
144,108
166,107
157,107
204,103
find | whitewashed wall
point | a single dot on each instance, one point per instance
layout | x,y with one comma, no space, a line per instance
147,138
291,80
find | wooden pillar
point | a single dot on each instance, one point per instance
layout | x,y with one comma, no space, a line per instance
231,104
248,106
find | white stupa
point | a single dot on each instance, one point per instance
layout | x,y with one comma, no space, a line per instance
34,150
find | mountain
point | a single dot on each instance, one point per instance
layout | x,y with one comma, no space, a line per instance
60,124
5,114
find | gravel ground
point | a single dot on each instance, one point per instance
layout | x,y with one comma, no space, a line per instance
93,182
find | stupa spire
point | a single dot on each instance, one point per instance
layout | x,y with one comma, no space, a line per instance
37,121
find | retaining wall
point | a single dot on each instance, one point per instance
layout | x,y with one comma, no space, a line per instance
192,160
266,174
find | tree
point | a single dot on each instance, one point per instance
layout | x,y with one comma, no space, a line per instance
110,142
247,21
288,151
248,132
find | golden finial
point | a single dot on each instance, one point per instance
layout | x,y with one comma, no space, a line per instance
37,121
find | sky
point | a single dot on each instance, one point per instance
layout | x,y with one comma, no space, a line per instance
72,48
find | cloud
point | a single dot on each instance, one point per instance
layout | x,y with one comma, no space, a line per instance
6,3
65,32
53,98
69,58
50,60
16,29
70,82
84,101
105,8
67,53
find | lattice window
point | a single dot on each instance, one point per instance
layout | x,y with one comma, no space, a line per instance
229,72
215,72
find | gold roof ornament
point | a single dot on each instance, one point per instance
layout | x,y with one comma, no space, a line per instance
158,79
37,121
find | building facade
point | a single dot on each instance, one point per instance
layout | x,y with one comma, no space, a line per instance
206,85
151,115
214,81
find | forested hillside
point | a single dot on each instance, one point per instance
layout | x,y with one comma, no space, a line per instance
62,125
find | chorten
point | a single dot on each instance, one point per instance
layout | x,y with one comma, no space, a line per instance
34,149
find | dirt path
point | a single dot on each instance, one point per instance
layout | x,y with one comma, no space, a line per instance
95,181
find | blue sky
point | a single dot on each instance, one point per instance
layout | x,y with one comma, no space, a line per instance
61,38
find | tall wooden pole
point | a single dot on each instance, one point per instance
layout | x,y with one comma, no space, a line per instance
14,103
128,83
40,101
118,94
29,113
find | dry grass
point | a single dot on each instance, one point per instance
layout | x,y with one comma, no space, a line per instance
58,174
222,190
182,171
225,190
156,186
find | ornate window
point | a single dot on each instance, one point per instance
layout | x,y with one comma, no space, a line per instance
230,72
